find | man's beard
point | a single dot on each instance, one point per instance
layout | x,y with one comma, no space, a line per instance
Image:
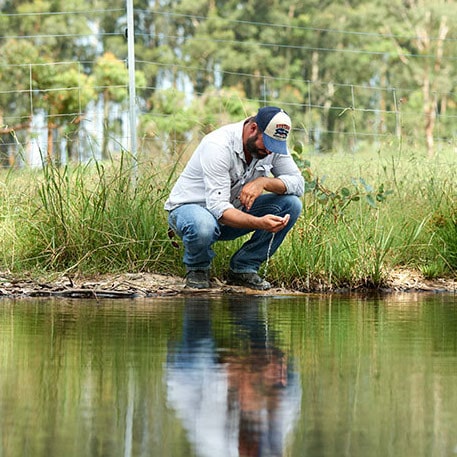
253,150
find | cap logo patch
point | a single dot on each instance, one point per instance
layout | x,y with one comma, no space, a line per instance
281,131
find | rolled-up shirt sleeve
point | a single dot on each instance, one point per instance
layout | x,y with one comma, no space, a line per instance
285,168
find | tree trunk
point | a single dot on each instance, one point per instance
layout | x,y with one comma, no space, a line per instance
430,116
430,102
106,129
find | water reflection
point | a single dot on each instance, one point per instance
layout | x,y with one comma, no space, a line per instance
295,376
236,394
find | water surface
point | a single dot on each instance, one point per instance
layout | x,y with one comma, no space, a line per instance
229,376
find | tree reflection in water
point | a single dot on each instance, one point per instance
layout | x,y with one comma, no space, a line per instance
236,394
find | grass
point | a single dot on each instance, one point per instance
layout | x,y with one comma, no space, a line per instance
364,215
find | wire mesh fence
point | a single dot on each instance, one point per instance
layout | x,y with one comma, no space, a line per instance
78,109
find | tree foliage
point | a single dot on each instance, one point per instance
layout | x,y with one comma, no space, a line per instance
340,68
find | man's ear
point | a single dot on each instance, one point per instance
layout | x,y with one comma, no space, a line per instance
253,128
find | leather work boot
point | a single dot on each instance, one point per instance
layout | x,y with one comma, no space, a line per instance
198,279
251,280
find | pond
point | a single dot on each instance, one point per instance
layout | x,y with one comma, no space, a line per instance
229,376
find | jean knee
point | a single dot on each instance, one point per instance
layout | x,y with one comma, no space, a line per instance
201,234
294,206
207,231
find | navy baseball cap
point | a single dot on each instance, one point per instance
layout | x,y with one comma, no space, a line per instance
275,125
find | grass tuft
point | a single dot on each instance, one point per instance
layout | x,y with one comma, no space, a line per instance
364,215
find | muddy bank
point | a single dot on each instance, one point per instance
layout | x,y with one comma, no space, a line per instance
135,285
128,285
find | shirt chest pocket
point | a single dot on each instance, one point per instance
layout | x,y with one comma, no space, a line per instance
262,170
241,177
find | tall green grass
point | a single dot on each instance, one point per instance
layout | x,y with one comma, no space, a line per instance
414,227
91,218
95,218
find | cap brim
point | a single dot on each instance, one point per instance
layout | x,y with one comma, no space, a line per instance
276,146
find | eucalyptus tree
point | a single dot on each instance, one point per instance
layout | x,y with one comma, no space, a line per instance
58,28
66,99
159,42
292,51
374,66
273,36
20,69
60,34
342,51
244,43
424,37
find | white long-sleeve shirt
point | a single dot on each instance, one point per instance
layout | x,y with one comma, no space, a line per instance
217,171
197,390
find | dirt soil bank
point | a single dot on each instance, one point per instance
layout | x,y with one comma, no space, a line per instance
135,285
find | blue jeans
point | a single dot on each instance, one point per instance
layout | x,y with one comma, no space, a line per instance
199,230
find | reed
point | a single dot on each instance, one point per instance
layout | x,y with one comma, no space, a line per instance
364,215
93,218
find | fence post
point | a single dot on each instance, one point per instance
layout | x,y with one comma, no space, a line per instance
132,94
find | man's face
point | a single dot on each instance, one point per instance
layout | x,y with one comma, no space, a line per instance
255,147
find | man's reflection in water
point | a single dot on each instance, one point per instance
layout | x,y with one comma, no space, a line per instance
235,393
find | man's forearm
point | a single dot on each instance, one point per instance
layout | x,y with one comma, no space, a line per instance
274,185
235,218
238,219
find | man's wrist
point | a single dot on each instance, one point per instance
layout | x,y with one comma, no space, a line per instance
274,185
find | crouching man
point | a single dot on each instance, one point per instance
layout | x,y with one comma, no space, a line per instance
240,179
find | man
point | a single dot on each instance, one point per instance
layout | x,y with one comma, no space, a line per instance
240,179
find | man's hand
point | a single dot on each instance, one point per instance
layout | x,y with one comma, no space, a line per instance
253,189
250,192
274,224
